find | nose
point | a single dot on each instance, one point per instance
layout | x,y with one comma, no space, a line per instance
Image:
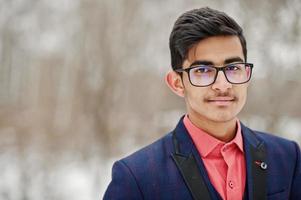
221,83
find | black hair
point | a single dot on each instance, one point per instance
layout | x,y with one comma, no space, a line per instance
196,25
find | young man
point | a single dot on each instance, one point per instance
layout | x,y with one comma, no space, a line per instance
210,154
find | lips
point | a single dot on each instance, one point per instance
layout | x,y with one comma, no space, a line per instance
221,101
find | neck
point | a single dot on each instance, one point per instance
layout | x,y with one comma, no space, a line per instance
224,131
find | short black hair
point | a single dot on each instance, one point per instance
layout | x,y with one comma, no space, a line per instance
196,25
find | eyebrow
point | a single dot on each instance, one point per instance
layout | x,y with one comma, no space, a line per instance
233,59
227,61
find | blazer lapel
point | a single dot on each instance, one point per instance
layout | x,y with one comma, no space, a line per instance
190,165
257,167
191,174
194,174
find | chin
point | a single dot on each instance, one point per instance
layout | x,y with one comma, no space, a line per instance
223,117
223,120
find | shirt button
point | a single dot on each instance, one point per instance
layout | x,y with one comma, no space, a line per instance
231,184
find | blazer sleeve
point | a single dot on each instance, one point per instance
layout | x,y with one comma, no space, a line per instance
123,184
295,189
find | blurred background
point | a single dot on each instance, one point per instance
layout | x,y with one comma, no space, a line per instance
82,85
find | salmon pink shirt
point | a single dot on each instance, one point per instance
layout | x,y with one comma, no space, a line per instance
224,162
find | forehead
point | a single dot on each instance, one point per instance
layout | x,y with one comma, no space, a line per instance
215,49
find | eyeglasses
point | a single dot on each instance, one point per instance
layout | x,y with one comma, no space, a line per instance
205,75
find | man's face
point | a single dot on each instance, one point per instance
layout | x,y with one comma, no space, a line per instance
221,101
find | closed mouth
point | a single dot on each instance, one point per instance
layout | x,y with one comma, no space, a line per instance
221,99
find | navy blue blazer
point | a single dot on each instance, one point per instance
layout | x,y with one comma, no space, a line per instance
159,170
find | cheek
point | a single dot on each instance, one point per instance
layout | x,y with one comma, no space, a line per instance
242,94
194,95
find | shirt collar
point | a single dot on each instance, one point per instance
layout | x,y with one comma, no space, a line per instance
206,143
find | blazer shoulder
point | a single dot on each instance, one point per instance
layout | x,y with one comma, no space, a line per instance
270,138
279,146
154,151
132,175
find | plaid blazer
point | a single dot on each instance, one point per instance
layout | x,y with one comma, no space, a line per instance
171,168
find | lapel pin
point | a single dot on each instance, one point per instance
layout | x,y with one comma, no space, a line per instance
262,165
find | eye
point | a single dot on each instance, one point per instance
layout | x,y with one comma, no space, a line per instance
202,70
234,67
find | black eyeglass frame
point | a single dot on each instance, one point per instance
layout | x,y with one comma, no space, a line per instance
222,68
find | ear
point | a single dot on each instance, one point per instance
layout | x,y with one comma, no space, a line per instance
174,82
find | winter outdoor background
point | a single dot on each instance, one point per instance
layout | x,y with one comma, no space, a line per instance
82,85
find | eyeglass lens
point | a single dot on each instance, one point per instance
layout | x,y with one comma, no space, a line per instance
205,75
